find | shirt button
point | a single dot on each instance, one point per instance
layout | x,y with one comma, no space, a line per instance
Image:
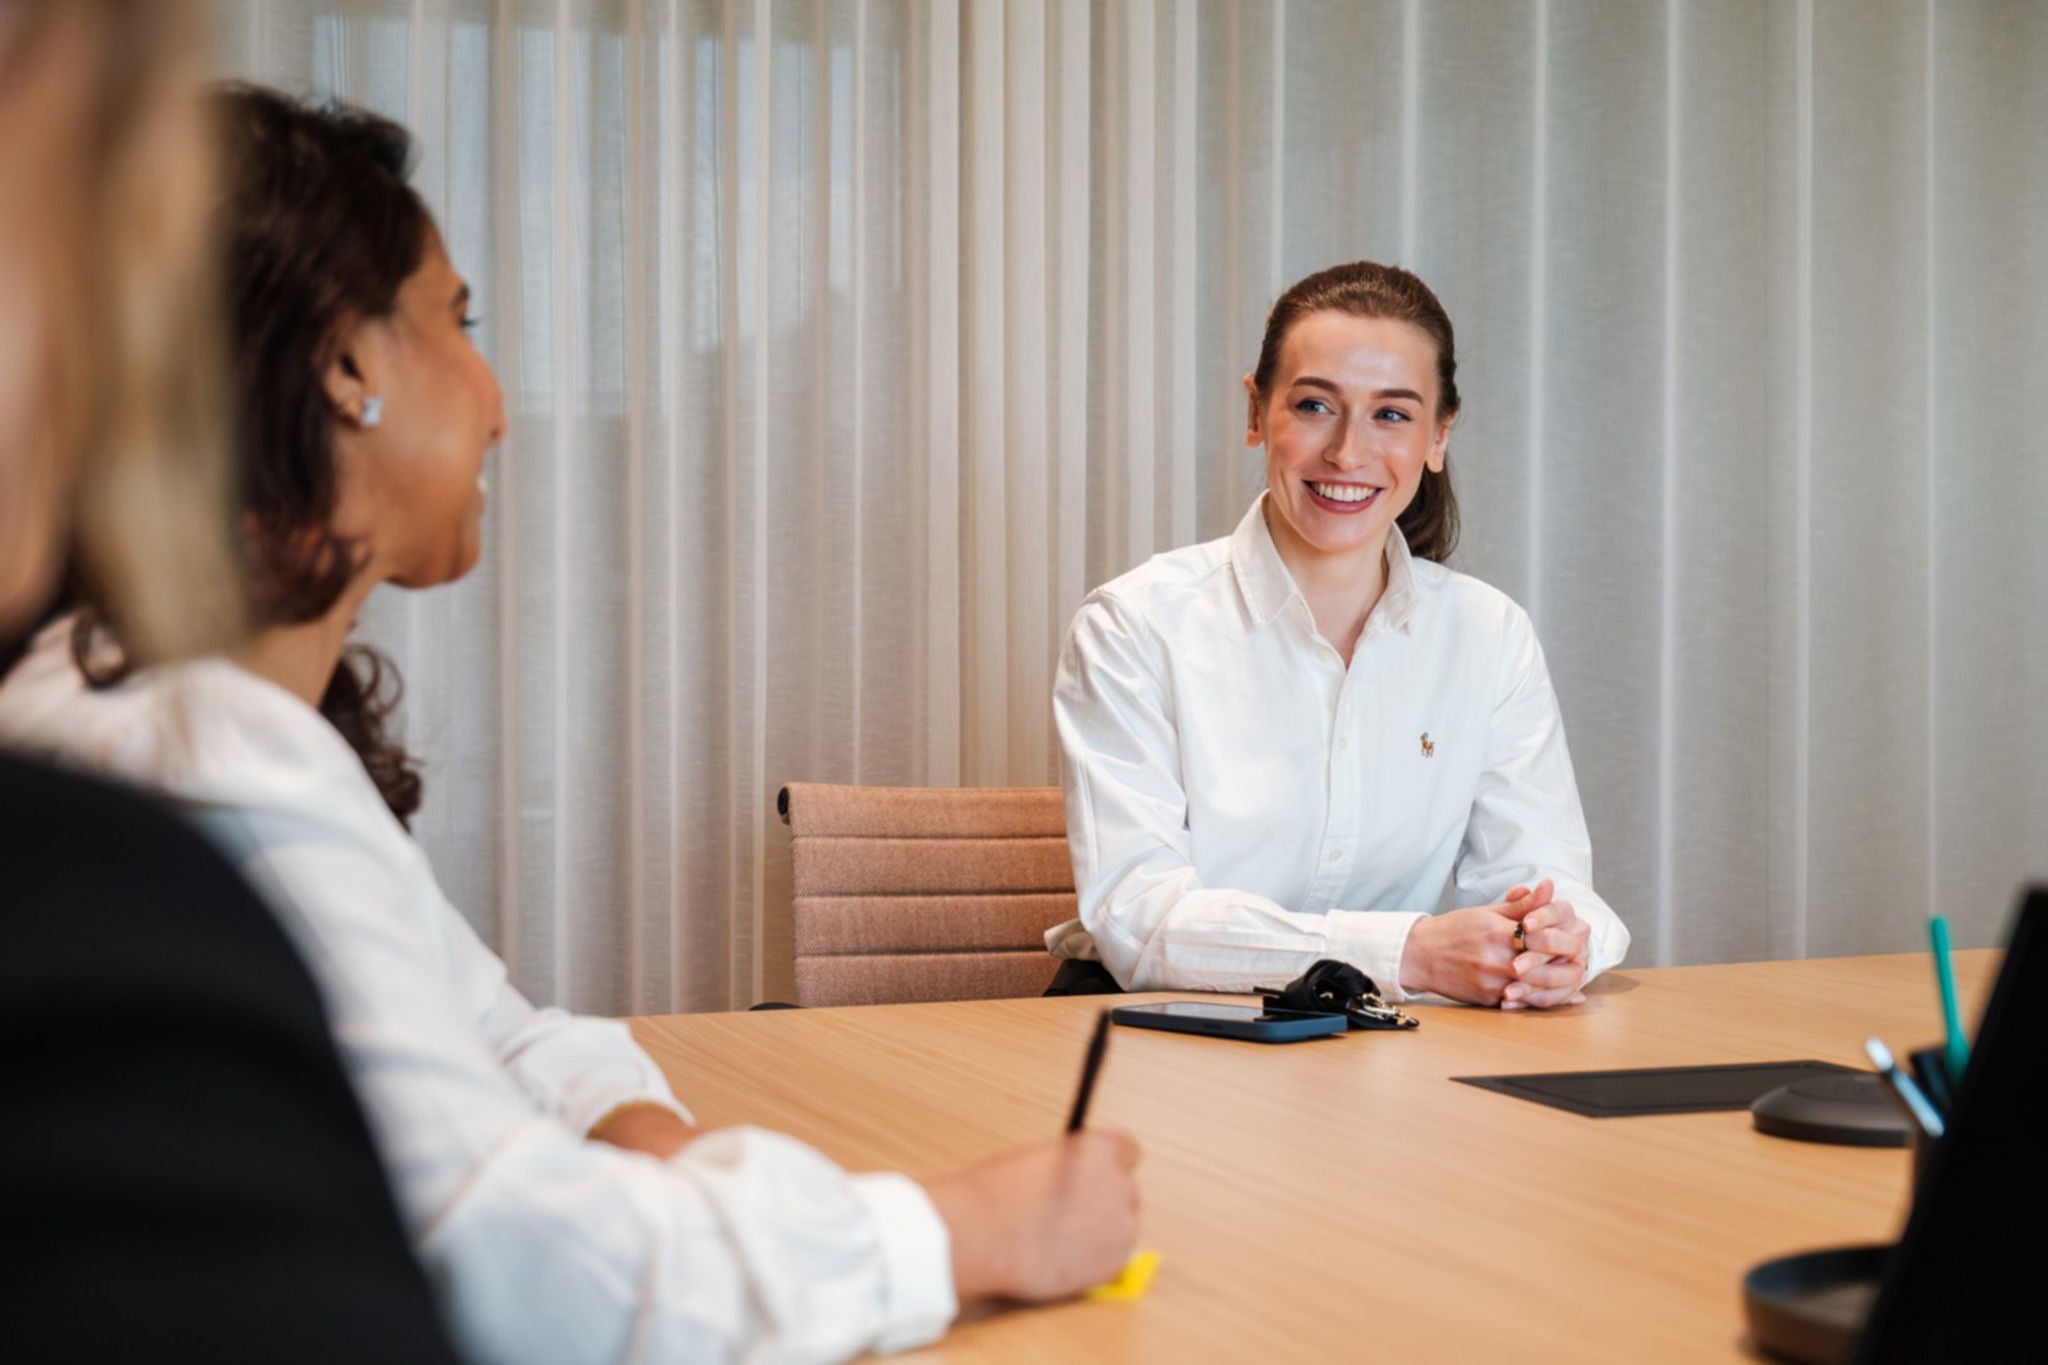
1336,855
1343,743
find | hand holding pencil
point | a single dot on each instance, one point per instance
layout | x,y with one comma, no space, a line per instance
1049,1220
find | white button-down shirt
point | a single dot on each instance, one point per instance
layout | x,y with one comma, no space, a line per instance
1241,804
543,1246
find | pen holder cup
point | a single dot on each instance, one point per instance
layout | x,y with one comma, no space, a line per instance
1929,1066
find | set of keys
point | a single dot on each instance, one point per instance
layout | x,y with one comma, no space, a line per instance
1334,987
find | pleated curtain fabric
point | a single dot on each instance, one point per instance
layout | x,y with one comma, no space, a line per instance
847,345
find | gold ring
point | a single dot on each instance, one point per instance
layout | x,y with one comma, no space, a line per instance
1521,937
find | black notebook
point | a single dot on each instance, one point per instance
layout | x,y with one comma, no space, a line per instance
1653,1090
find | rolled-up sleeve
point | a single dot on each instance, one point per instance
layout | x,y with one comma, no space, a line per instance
574,1066
746,1245
549,1248
541,1245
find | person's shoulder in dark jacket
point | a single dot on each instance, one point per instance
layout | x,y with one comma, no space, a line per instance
185,1173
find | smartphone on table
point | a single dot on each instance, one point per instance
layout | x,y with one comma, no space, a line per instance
1230,1021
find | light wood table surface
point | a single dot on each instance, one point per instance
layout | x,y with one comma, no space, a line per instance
1342,1197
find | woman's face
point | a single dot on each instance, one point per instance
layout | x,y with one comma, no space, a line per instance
1349,426
411,486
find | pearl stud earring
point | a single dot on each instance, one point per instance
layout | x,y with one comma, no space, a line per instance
373,412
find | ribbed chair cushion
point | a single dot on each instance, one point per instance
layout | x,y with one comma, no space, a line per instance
919,893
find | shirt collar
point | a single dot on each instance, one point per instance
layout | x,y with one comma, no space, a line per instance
1264,580
1398,604
1268,587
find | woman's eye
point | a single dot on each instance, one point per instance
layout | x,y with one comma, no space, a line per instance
1393,415
1312,405
471,321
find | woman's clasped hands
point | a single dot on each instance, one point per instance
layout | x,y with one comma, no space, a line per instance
1473,954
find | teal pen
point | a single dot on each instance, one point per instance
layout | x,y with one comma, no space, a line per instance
1945,976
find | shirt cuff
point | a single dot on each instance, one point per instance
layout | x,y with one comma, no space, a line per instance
637,1102
917,1261
584,1113
1372,941
1610,936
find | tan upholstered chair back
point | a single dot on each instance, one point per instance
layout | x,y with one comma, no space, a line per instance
923,893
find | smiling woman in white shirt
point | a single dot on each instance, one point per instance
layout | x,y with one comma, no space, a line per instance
1282,746
563,1203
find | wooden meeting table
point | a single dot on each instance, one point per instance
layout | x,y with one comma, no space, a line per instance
1343,1197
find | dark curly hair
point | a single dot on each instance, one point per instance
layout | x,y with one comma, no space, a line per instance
1368,290
319,229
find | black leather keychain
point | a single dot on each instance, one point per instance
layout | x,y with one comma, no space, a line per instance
1334,987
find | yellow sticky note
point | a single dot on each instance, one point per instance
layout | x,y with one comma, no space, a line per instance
1133,1282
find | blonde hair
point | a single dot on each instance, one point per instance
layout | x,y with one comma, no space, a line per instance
139,402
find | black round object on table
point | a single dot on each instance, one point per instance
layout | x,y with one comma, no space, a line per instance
1810,1307
1849,1108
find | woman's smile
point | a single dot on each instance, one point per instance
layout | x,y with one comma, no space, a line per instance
1343,499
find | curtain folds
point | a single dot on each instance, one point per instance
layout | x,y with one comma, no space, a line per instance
846,344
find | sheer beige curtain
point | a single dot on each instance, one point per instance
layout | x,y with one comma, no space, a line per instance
847,344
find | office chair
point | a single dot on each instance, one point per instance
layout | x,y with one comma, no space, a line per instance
923,893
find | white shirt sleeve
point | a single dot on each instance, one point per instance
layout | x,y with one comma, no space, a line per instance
747,1245
1527,823
578,1068
542,1245
1154,923
547,1247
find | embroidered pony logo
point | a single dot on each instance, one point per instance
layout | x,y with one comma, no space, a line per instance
1428,745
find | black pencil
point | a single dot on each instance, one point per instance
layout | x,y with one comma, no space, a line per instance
1096,1046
